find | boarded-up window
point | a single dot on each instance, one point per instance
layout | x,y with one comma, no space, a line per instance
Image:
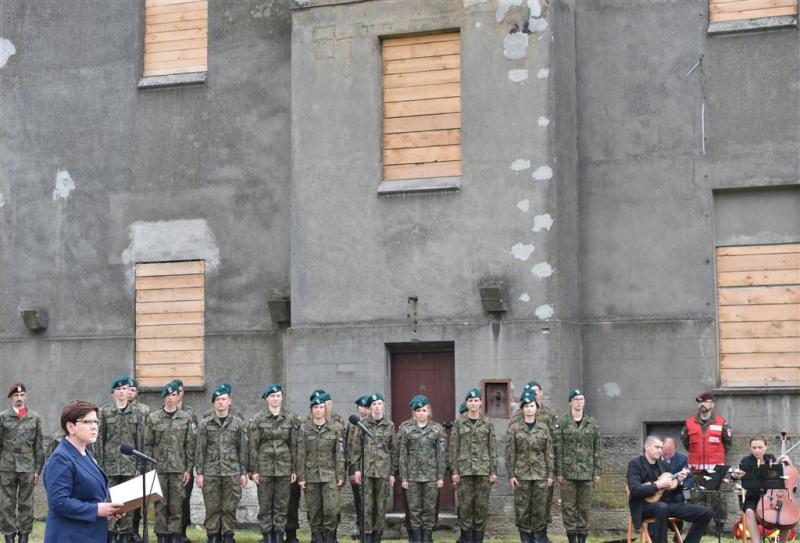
759,315
170,317
742,10
422,106
175,37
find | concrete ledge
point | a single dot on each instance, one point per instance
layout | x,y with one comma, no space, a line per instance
175,80
750,25
420,185
757,391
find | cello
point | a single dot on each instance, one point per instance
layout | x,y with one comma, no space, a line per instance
779,508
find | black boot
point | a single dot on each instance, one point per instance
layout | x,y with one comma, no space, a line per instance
465,537
316,537
525,537
538,537
477,536
23,538
175,538
162,538
377,535
415,535
227,537
266,537
10,538
368,537
277,537
291,535
572,537
214,538
124,538
330,536
581,538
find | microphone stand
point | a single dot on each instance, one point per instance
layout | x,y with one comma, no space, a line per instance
145,501
363,490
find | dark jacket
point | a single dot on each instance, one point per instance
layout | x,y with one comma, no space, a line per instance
641,484
75,484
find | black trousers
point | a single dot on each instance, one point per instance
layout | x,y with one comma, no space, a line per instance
698,515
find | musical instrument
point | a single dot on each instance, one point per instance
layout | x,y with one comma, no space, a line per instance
666,476
779,508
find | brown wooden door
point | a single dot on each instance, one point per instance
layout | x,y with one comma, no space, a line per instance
431,373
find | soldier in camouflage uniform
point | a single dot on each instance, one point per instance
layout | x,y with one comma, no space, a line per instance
473,462
531,466
380,465
271,434
120,422
186,511
320,469
221,465
350,444
422,460
21,461
169,438
577,466
234,411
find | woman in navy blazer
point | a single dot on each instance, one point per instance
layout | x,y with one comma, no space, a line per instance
77,489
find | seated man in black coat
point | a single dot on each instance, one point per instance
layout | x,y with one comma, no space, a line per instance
643,481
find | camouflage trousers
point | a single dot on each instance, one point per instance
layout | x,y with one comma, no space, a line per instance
125,524
273,502
186,508
357,504
169,509
376,499
322,502
550,504
713,499
221,495
473,502
293,514
530,506
16,502
576,503
422,499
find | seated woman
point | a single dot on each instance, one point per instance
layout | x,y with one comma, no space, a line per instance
749,464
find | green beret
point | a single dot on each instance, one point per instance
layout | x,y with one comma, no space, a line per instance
317,400
418,401
133,383
318,392
120,381
575,392
473,393
178,382
374,398
169,388
530,384
221,390
526,398
271,389
462,408
362,401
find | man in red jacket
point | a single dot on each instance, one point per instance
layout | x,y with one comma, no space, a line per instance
707,437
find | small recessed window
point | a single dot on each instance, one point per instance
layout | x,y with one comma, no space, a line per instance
496,398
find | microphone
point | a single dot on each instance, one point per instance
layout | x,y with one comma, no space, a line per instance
357,421
128,450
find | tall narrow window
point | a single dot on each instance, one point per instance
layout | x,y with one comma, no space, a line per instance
759,314
422,106
175,37
170,317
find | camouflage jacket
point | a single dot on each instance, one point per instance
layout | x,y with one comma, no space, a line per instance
473,447
423,452
529,452
271,437
578,456
143,407
22,442
320,452
115,429
380,451
170,440
189,411
221,447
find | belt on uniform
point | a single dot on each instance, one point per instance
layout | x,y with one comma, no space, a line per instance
19,450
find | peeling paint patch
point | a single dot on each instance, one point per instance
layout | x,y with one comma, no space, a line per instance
517,76
542,222
543,73
162,241
544,312
2,200
524,297
535,7
520,164
543,173
470,3
537,25
64,185
542,270
515,45
611,389
522,252
6,50
524,205
477,24
502,8
544,121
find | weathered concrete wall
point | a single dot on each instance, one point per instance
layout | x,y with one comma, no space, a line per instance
178,173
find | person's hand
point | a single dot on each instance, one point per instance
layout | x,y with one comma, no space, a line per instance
549,482
302,485
106,509
456,479
663,484
357,478
35,477
186,477
256,478
440,483
596,479
293,478
340,482
737,473
492,478
404,484
391,481
199,480
785,460
560,479
136,473
513,482
243,480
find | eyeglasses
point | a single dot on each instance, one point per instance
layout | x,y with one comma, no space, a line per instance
89,422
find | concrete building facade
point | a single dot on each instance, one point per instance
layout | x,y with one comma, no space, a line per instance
608,148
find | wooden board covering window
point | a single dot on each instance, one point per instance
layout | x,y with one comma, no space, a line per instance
175,37
422,106
741,10
759,314
170,322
